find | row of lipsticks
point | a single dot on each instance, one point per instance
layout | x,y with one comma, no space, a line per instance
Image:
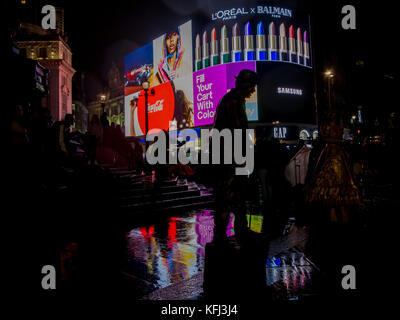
289,49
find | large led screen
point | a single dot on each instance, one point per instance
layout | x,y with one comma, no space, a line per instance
191,67
138,68
166,63
286,92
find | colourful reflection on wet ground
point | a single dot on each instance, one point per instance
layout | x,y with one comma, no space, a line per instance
162,255
292,272
173,250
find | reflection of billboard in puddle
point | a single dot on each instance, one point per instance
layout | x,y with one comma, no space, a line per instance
204,227
230,229
255,222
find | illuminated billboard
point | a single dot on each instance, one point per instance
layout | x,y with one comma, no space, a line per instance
195,65
166,63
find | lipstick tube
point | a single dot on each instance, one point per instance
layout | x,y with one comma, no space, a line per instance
248,43
283,55
292,46
272,45
300,57
261,50
236,44
206,51
198,62
306,50
224,55
214,48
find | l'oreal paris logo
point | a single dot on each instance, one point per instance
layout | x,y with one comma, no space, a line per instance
297,92
275,12
158,106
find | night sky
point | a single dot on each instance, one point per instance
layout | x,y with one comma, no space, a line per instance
115,28
102,24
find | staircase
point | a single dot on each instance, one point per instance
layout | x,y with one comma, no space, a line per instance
140,194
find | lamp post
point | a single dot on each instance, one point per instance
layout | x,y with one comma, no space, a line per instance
103,99
146,86
329,75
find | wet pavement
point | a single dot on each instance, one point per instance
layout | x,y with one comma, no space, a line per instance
170,251
167,259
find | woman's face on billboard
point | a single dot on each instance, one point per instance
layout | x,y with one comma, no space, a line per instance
172,42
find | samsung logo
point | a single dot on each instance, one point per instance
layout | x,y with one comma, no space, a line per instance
297,92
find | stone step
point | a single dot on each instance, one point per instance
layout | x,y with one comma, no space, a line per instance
136,218
160,196
160,205
150,191
147,181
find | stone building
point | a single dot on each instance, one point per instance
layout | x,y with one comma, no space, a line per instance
79,102
111,100
50,48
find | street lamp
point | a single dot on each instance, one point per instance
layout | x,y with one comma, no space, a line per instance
329,75
146,86
103,99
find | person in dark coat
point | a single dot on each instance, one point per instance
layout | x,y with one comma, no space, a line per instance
230,188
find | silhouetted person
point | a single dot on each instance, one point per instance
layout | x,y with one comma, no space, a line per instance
230,188
95,137
333,183
19,134
104,121
60,132
64,134
270,161
334,198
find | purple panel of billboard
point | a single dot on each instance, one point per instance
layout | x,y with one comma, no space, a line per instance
233,70
209,86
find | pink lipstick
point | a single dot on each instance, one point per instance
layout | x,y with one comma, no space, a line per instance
272,47
197,51
292,46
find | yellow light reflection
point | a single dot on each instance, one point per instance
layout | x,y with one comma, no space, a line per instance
254,222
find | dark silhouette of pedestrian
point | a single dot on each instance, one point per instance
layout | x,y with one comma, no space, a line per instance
95,138
104,121
230,188
334,201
